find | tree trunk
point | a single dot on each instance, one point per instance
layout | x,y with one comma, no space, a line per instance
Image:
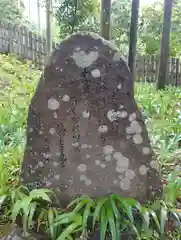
133,37
49,19
38,12
105,18
164,56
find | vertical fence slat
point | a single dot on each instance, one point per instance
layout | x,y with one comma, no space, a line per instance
177,72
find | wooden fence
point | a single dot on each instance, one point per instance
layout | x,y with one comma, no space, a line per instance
30,46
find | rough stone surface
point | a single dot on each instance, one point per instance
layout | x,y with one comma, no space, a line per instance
16,233
85,133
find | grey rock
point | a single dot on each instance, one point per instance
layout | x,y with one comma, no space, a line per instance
85,133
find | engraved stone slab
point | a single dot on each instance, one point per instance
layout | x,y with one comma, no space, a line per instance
85,133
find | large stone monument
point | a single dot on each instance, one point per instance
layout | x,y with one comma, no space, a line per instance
85,133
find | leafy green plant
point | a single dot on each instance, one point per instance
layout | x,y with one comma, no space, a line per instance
111,214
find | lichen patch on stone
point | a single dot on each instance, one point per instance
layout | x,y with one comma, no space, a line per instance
143,170
108,158
65,98
103,165
113,115
53,104
82,168
83,59
108,149
119,86
132,117
96,73
88,182
134,128
137,139
83,177
75,144
154,164
86,114
125,184
103,128
97,162
146,150
52,131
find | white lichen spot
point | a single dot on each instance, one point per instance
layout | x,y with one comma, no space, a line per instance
115,182
108,149
86,114
90,146
121,106
55,115
117,56
132,117
137,139
120,169
119,86
65,98
40,164
88,182
103,165
123,114
53,104
97,162
146,150
96,73
123,164
108,158
143,170
75,144
125,184
87,156
30,130
57,177
130,174
83,59
52,131
154,164
113,115
84,146
40,132
118,156
103,128
82,178
55,164
46,155
82,168
134,128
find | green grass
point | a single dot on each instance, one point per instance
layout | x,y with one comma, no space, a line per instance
162,112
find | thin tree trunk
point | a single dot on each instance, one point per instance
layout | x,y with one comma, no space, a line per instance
29,8
105,18
49,26
38,12
74,17
165,49
133,37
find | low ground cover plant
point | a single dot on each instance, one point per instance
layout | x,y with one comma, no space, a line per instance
112,214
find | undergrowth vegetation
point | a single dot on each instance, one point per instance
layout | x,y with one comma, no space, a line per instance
112,214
